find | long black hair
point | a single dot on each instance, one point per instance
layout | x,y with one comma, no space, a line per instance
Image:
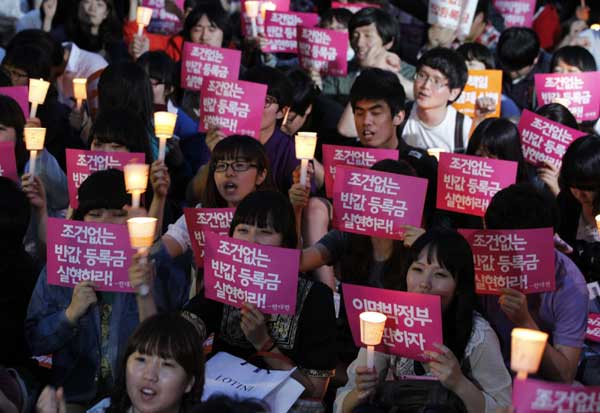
12,116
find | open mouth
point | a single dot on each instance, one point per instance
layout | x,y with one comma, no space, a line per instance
230,187
147,393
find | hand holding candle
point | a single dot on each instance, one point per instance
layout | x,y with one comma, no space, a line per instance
164,125
34,142
252,12
527,348
79,91
371,331
136,180
143,17
306,143
141,237
38,88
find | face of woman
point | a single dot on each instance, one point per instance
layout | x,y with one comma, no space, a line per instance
258,235
562,67
93,12
106,216
236,178
154,384
584,197
207,33
431,278
98,146
7,134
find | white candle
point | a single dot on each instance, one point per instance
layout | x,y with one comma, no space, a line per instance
252,11
136,180
38,88
34,142
79,91
371,331
598,222
143,16
141,237
527,348
306,142
164,125
267,6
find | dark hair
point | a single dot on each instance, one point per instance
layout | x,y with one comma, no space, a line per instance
64,10
102,189
517,47
477,51
576,56
169,336
522,206
558,113
215,14
110,29
160,67
386,25
220,403
46,44
581,164
12,116
15,212
340,15
233,147
375,84
448,62
453,253
31,59
499,137
304,90
267,209
278,85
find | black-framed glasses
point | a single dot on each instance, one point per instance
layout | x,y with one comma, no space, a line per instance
237,166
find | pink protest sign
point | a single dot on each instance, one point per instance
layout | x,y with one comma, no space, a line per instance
200,220
263,6
235,106
237,271
280,30
467,183
162,21
522,259
323,50
414,321
517,13
536,396
377,203
20,94
8,162
350,156
353,7
81,164
200,61
593,327
543,139
87,251
577,91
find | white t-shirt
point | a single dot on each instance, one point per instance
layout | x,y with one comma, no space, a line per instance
417,134
179,232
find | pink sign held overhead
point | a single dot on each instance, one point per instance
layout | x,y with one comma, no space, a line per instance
516,13
522,259
543,139
280,30
536,396
377,203
233,105
353,7
576,91
200,61
263,7
20,94
593,327
237,271
81,164
88,251
163,21
467,184
334,155
323,50
414,321
8,162
201,220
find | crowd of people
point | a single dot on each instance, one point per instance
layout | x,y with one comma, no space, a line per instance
146,351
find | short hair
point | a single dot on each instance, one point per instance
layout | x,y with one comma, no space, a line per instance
278,85
558,113
340,15
15,212
215,14
581,164
517,47
576,56
160,67
101,190
522,206
386,25
43,41
448,62
305,91
30,59
376,84
477,51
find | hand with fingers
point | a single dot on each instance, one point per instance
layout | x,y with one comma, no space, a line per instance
411,233
84,296
445,367
514,304
160,179
366,383
35,191
254,325
51,401
548,173
214,135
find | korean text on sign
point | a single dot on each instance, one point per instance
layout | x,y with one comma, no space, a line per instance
516,13
351,156
323,50
414,321
162,21
8,162
466,184
480,84
521,259
280,5
237,271
536,396
593,327
85,251
280,30
577,91
81,164
235,106
377,203
200,61
200,220
543,139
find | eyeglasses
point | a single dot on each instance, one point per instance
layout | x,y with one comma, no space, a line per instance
270,100
436,82
237,166
14,72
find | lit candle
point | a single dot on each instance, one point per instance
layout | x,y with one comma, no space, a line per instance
141,237
371,330
136,180
435,152
164,125
34,142
269,5
38,88
144,14
306,142
595,27
598,222
252,12
79,91
527,348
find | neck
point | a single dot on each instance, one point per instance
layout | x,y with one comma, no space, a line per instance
265,134
391,143
432,117
588,214
95,30
382,248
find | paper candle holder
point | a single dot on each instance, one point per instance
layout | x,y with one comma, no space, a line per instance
80,89
306,142
598,222
38,88
252,8
527,348
164,124
34,138
371,327
436,152
143,16
136,177
269,5
141,232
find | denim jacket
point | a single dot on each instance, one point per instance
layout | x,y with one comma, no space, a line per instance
76,348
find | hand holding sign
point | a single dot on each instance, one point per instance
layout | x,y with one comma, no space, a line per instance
34,189
83,297
514,304
445,367
254,326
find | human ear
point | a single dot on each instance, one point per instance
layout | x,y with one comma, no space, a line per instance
190,385
454,93
398,118
261,177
